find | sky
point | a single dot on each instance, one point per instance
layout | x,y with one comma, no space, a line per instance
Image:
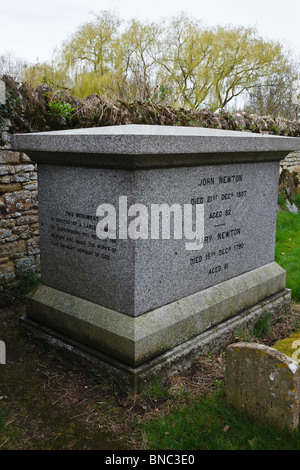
32,29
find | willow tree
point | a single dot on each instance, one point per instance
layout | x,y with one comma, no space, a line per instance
91,47
185,61
89,54
242,60
137,52
275,95
211,66
52,74
201,66
104,60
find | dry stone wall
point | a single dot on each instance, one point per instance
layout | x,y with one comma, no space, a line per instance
291,162
19,227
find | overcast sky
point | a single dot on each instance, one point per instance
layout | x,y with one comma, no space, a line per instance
31,29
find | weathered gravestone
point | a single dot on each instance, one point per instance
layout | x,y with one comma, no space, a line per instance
127,278
263,382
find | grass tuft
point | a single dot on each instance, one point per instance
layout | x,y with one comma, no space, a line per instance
287,249
209,423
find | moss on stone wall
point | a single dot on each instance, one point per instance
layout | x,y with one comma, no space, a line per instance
29,110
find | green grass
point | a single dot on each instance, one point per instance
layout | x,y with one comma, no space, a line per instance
262,326
287,249
210,424
296,200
